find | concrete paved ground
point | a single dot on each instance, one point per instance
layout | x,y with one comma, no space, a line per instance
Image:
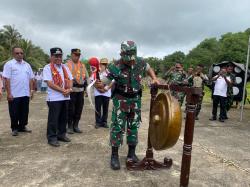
220,156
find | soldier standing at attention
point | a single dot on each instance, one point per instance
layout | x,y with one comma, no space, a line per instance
79,73
127,73
59,80
177,76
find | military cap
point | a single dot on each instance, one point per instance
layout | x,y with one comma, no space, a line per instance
56,51
77,51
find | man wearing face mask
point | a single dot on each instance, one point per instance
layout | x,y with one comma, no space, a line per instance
79,73
127,74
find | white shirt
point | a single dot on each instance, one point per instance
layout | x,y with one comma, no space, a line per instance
20,74
220,87
54,95
96,92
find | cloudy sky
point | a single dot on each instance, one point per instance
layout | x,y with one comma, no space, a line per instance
97,27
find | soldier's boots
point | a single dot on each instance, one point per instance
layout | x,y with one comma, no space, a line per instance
115,163
131,154
70,129
75,127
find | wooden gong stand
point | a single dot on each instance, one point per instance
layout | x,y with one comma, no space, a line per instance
149,163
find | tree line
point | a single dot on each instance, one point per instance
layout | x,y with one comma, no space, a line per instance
10,37
228,47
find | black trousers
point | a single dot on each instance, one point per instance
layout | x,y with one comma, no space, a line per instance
57,119
101,107
75,106
222,101
19,111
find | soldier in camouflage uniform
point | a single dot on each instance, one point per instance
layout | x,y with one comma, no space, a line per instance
127,74
230,96
177,76
198,80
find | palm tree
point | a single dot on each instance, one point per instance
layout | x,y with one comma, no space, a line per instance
10,37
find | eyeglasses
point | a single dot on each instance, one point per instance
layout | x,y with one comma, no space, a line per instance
19,53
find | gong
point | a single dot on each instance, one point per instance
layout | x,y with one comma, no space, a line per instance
165,121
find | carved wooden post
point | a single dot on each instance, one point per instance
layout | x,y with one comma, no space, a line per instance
192,100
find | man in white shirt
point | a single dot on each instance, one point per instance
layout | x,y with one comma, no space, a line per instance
19,80
220,94
59,81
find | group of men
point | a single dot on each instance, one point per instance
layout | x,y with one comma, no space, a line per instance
65,97
222,84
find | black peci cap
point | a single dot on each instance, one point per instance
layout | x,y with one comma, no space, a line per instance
77,51
56,51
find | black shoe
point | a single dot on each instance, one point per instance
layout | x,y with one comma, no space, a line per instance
115,163
64,139
196,118
54,143
134,158
105,125
131,154
75,127
221,120
14,133
70,131
25,129
212,119
97,125
77,130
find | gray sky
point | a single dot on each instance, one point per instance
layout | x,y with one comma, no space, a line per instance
97,27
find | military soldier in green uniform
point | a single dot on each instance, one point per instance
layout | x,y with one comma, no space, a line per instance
198,80
127,74
177,76
230,96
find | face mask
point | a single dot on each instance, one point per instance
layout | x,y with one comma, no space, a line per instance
128,58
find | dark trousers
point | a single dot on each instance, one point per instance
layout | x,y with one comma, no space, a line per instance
19,111
222,101
57,119
101,107
75,106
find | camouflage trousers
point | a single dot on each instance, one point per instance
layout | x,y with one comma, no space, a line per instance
179,96
229,102
198,106
126,114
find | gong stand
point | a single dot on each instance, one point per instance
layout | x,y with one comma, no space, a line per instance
149,163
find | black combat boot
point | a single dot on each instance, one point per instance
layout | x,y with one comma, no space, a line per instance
70,128
131,154
75,127
115,163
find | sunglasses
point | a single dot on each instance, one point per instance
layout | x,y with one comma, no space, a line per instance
19,53
77,54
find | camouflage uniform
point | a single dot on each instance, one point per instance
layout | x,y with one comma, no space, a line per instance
177,77
199,82
230,95
126,100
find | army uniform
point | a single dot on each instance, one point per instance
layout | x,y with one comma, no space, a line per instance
127,75
230,96
126,101
177,77
198,82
